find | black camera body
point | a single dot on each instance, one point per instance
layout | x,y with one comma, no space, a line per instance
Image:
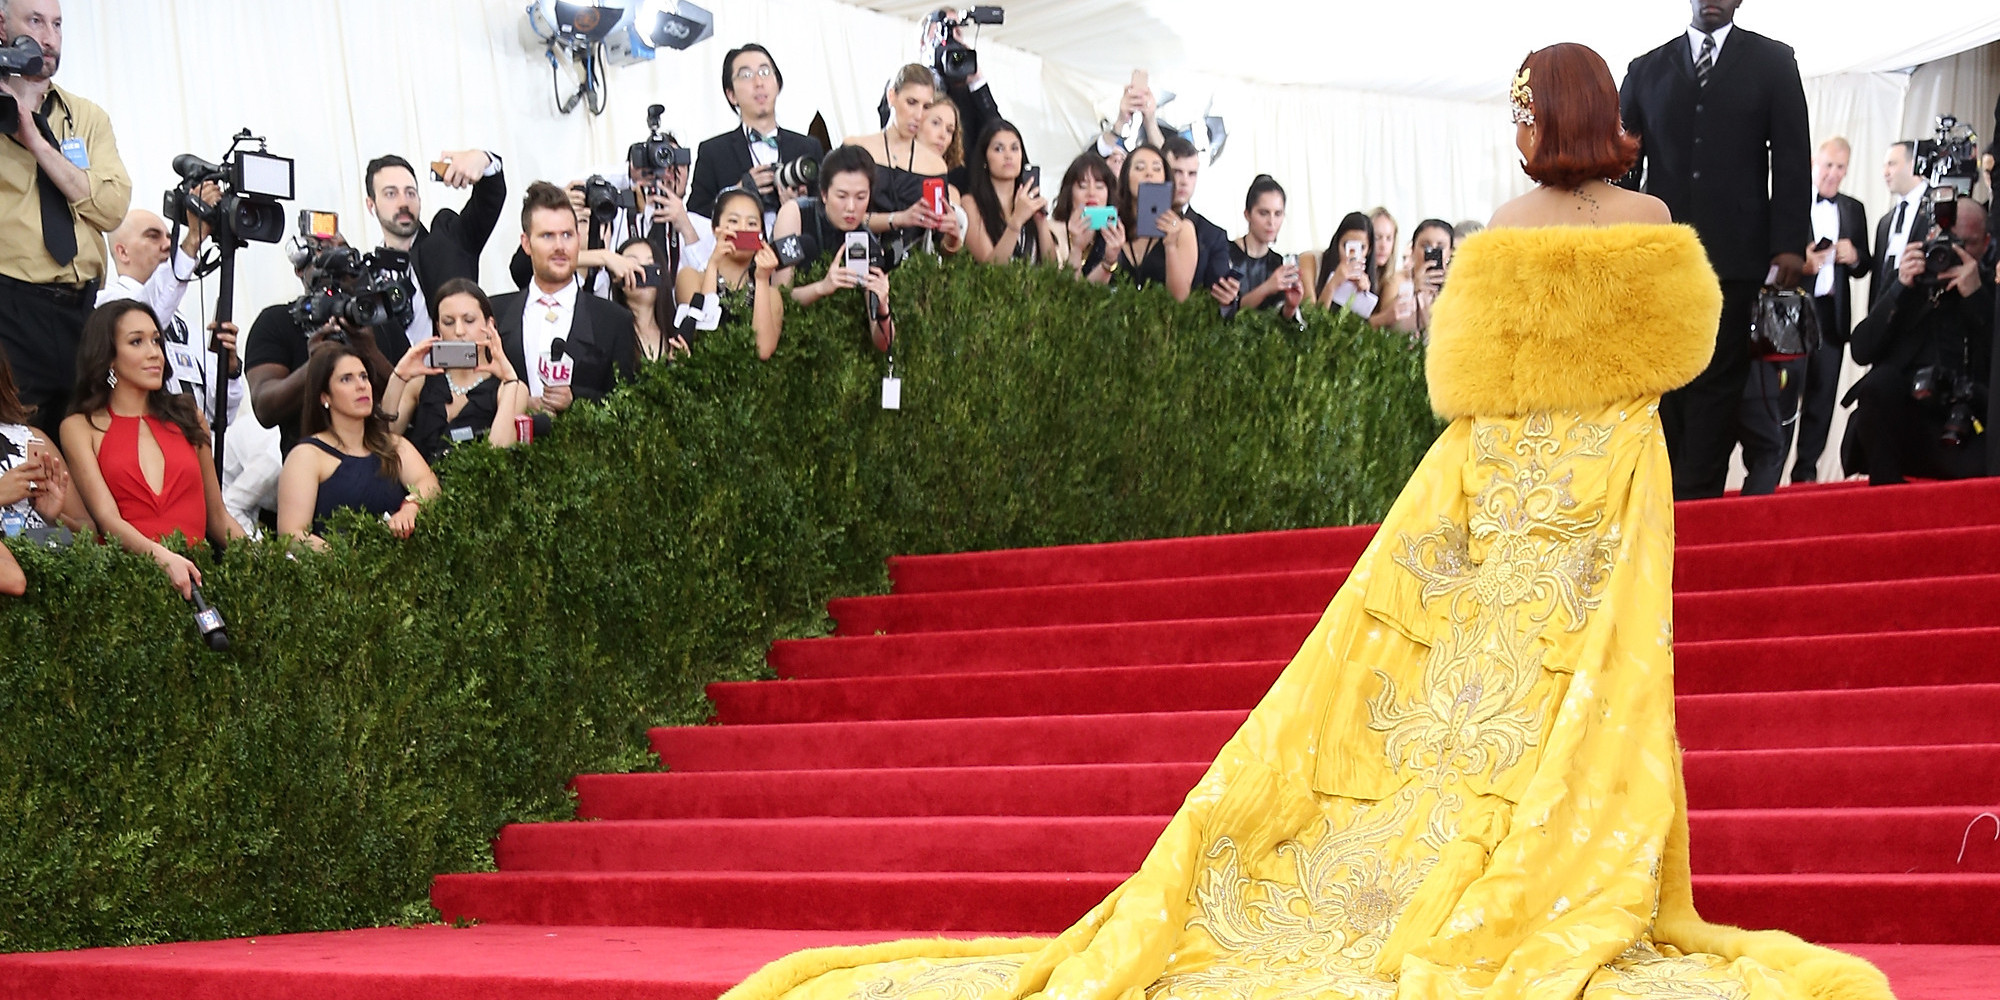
20,57
253,182
1961,397
802,172
658,151
953,59
372,291
606,199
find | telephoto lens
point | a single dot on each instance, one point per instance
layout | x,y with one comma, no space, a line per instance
798,173
209,622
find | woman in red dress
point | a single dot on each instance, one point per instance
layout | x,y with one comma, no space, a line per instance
139,454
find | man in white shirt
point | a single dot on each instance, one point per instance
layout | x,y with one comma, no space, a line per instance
148,268
1892,234
550,322
681,239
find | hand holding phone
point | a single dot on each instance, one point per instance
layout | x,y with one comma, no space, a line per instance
855,254
748,240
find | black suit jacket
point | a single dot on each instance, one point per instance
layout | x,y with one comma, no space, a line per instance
721,161
1854,229
1716,154
1212,246
450,247
600,342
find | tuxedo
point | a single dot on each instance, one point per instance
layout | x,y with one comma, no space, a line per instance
720,162
1820,372
1715,153
600,342
450,246
1212,249
1883,256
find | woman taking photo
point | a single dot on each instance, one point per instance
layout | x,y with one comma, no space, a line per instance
437,408
347,456
1005,220
740,274
1267,281
1347,276
941,134
903,163
652,309
1088,183
846,178
140,455
1167,259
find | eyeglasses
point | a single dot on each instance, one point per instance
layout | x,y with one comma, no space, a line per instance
749,73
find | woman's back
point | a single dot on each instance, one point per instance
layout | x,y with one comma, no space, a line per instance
1595,204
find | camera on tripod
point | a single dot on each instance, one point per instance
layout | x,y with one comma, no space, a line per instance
1949,162
253,183
953,59
1961,397
20,57
372,291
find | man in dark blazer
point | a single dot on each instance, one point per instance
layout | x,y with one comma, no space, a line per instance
1900,222
751,83
1721,118
595,334
450,246
1841,219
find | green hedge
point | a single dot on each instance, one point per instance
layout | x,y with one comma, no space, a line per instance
385,707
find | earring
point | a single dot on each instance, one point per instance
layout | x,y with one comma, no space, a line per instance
111,378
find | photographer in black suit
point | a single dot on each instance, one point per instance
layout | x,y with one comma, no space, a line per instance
450,247
751,84
1923,406
596,333
1721,117
1841,222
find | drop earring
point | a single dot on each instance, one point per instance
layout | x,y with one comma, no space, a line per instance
111,378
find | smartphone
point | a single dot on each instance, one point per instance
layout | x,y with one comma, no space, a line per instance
748,239
1233,274
1031,179
856,254
1099,216
1154,201
934,195
1822,244
1292,260
651,277
1434,257
1356,251
438,167
318,225
454,354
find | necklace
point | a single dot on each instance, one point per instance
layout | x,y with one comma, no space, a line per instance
460,390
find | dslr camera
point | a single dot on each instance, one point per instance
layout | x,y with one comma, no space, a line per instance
21,57
1957,393
799,173
1949,161
954,60
253,183
372,291
658,151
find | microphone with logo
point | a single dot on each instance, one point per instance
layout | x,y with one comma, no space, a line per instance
555,367
209,622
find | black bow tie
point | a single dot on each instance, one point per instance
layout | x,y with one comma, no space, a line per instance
1826,198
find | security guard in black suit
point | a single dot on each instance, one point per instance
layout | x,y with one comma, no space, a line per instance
1720,114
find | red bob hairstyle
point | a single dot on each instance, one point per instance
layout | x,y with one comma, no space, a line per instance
1576,115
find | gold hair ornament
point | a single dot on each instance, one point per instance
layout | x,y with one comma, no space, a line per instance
1523,98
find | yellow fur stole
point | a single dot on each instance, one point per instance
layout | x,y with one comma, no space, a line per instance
1570,318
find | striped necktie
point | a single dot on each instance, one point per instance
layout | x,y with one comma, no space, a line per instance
1706,61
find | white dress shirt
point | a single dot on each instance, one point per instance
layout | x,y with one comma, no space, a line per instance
544,317
1694,41
1900,238
1826,226
185,341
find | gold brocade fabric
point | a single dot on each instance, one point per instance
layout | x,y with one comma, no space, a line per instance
1465,785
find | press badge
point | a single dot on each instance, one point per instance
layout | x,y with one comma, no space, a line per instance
74,152
185,368
892,389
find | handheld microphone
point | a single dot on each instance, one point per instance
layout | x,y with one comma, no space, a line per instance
209,622
556,349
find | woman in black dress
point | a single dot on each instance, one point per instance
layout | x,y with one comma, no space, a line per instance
439,408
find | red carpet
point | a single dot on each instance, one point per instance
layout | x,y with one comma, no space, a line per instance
994,746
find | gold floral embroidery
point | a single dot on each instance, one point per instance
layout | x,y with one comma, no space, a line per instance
1642,973
969,979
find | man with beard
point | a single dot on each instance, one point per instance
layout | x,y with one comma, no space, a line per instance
62,187
450,247
552,320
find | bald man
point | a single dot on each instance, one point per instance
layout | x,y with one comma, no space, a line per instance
146,266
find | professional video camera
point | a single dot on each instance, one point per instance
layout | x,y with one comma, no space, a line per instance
253,183
1949,162
21,57
373,291
953,59
659,150
1961,396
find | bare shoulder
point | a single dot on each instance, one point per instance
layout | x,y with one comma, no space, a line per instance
1621,205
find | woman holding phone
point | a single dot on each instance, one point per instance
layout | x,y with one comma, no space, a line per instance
651,306
740,274
909,196
1160,247
1347,276
438,407
837,224
1007,217
1263,278
1082,214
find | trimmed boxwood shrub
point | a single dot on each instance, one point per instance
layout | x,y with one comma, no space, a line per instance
385,706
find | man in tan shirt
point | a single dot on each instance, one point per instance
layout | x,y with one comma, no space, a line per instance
62,187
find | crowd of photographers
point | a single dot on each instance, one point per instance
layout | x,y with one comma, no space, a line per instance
110,404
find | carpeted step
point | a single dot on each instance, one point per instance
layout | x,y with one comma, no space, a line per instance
1029,790
1945,909
1717,779
1807,513
1763,565
1882,659
1310,549
1204,640
1927,839
1840,608
1916,716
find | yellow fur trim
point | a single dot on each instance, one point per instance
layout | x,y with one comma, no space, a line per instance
1570,318
786,974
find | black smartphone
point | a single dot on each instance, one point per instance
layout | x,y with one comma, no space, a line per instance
651,277
1233,274
1822,244
1154,200
1031,178
450,354
1434,256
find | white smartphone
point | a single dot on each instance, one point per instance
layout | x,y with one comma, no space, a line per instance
856,253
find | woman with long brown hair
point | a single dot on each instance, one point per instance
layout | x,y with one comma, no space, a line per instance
140,455
347,455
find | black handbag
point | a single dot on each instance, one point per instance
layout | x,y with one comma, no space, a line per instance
1784,326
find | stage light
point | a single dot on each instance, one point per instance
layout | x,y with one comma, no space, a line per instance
658,24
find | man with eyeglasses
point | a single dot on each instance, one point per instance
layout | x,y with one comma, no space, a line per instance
751,84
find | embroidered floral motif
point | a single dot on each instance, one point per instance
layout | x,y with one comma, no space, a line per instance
969,979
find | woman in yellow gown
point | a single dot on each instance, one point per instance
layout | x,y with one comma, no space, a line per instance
1466,784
